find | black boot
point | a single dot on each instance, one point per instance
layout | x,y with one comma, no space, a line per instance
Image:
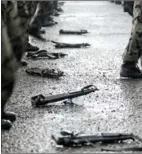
128,7
117,2
9,116
42,31
23,63
30,47
35,32
5,124
130,70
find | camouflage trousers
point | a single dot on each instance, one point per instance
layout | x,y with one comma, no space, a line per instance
133,50
15,21
8,66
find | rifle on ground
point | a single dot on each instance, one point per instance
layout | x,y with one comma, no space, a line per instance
80,32
68,45
42,100
49,73
44,54
71,139
123,149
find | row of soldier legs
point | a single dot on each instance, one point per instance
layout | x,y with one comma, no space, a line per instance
14,44
19,19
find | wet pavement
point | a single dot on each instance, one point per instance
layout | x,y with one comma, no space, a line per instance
116,107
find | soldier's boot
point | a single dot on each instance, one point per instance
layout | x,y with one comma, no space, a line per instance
6,120
117,2
130,70
30,47
128,7
35,31
6,124
23,63
9,116
42,31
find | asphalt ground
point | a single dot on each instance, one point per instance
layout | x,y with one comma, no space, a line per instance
116,107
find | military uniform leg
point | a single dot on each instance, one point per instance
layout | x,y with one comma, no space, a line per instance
9,65
133,50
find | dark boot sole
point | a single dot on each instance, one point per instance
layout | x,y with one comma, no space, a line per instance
11,117
131,76
6,125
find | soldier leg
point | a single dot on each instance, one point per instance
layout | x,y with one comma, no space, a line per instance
133,50
35,24
46,9
29,46
55,3
9,66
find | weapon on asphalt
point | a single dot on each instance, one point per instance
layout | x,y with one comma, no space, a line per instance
68,45
79,32
42,100
44,54
123,149
49,73
71,139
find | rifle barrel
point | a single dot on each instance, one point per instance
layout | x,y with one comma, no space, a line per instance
71,95
69,141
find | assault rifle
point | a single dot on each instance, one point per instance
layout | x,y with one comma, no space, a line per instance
42,100
50,73
124,149
71,139
68,45
80,32
45,54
